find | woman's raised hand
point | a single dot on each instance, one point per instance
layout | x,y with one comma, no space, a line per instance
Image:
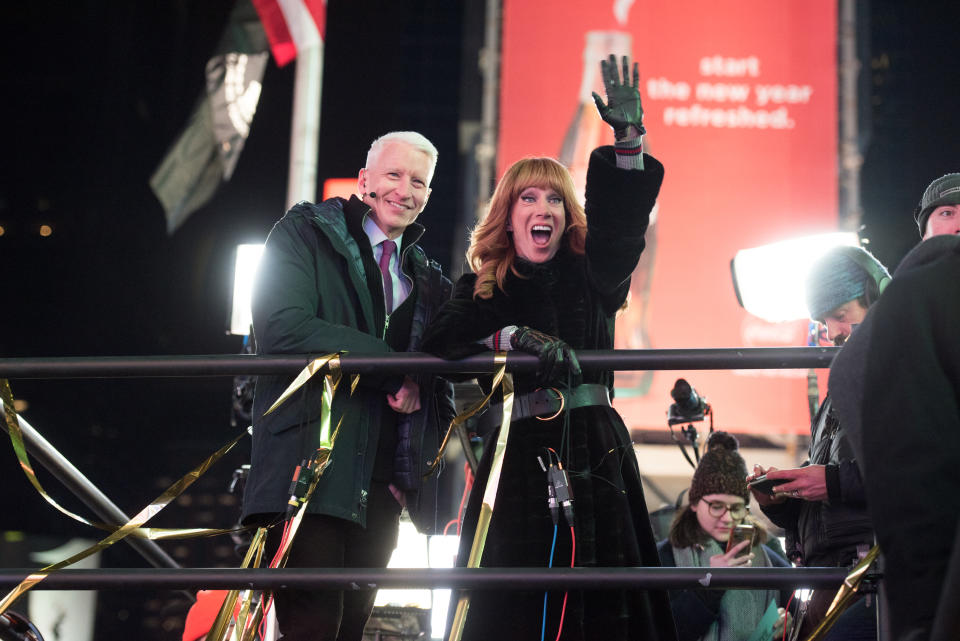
622,110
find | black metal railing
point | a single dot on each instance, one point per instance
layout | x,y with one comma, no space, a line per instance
166,575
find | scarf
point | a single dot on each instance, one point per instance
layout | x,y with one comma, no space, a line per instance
740,610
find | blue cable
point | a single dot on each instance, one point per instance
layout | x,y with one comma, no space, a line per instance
543,626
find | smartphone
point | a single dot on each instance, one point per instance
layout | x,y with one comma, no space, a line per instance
740,533
765,485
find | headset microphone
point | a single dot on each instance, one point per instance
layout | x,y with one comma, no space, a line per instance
372,194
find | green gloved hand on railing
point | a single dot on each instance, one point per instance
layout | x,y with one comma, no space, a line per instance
558,363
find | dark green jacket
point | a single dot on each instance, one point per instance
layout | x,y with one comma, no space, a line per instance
311,297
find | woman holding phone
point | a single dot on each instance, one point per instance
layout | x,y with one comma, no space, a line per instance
700,536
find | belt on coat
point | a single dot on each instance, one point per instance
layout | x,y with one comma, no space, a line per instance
545,404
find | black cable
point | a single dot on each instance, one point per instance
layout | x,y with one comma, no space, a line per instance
683,448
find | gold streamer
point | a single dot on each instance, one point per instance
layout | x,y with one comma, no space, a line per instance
16,437
305,375
844,597
489,498
500,360
225,615
248,624
20,450
319,464
125,530
132,527
354,381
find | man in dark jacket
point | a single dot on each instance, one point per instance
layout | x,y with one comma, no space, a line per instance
347,275
822,505
902,372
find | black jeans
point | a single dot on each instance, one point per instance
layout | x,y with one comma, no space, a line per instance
328,542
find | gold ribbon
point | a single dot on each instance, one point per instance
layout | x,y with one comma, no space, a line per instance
125,530
500,360
225,615
845,595
489,498
16,437
133,526
20,450
247,622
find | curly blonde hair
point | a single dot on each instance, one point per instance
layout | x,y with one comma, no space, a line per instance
491,253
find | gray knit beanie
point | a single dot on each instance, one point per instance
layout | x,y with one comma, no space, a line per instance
838,277
945,190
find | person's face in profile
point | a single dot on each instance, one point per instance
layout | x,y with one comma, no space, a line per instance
943,220
841,320
537,222
399,178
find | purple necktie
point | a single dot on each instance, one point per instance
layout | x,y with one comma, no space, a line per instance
388,248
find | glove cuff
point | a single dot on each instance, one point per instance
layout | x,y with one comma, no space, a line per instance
629,153
502,340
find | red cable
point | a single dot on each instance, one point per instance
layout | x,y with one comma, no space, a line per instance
263,619
286,532
786,611
573,552
467,486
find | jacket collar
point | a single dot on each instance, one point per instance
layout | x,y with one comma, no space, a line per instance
355,210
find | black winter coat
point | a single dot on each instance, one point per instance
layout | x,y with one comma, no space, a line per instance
899,375
573,297
828,533
312,297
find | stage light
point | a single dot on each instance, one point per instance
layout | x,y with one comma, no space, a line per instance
415,550
245,267
770,280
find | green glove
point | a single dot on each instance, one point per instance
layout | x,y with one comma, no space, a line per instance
558,362
623,110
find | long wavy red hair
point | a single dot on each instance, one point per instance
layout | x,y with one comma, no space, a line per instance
491,253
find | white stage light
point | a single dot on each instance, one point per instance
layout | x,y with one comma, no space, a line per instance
245,267
770,280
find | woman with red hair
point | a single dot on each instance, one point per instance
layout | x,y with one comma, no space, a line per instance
549,277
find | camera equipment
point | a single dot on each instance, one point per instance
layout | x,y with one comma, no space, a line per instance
688,407
16,627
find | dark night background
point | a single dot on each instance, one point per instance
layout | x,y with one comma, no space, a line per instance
95,92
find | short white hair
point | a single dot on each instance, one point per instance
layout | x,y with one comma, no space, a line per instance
413,138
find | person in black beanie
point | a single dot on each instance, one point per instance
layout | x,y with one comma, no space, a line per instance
938,213
699,535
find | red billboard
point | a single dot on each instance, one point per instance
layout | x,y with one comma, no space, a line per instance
740,103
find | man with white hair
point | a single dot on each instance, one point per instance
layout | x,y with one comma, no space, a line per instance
347,275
